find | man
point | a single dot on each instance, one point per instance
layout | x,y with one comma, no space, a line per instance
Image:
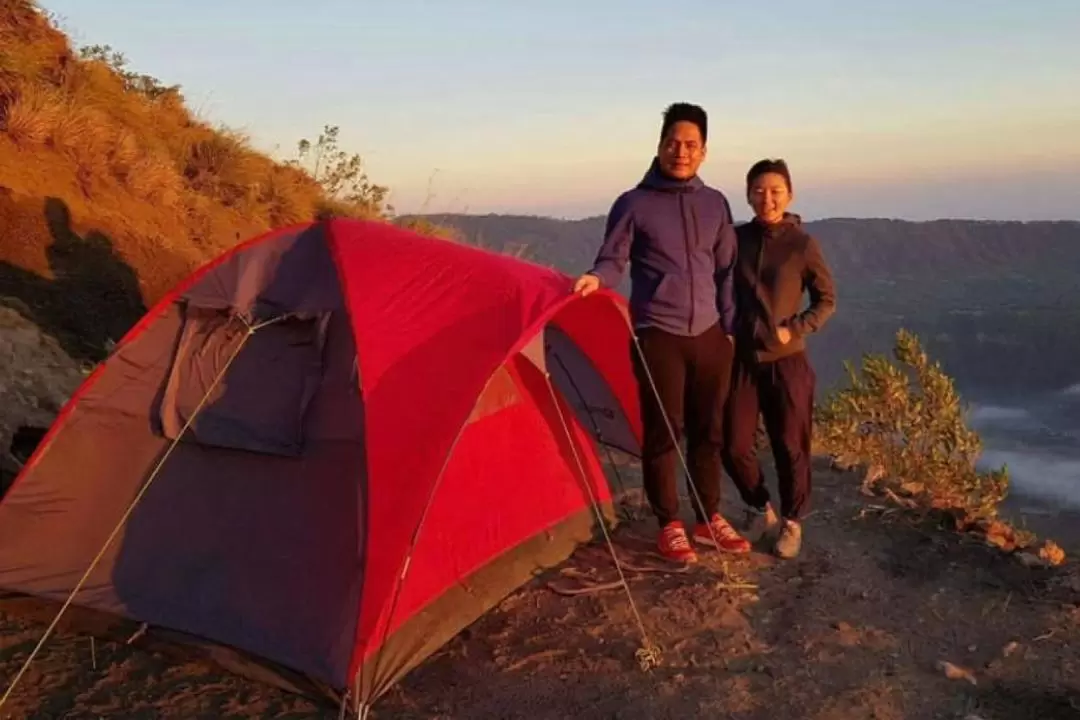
678,237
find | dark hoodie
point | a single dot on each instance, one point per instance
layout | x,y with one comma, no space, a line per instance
776,265
679,239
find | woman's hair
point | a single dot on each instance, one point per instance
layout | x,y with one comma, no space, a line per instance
761,167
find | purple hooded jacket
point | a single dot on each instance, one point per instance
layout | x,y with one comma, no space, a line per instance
679,239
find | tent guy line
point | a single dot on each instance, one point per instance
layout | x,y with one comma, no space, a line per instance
649,653
251,329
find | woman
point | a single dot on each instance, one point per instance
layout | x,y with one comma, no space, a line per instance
777,262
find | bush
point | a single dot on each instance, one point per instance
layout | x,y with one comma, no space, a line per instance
904,420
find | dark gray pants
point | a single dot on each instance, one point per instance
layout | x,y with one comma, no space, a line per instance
692,376
783,392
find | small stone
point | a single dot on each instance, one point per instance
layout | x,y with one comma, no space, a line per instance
955,672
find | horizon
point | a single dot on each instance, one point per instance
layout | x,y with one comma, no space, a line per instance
903,113
741,217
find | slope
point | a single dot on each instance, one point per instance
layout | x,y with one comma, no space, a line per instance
111,189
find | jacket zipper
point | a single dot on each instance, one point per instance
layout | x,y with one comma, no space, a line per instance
689,261
766,310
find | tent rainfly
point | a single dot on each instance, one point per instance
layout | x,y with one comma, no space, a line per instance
330,450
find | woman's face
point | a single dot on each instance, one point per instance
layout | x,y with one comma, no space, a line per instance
769,197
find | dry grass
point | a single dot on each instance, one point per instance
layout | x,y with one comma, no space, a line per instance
136,166
97,161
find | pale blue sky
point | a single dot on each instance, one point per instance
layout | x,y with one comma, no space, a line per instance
920,109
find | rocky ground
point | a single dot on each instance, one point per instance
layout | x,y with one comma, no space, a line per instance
36,378
882,617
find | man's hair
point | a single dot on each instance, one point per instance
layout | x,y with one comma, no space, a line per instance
685,112
761,167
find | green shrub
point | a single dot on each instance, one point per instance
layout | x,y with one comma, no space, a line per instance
904,420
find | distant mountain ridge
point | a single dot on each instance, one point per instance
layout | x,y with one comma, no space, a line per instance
878,248
994,301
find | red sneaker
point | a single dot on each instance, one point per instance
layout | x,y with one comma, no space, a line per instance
674,544
727,538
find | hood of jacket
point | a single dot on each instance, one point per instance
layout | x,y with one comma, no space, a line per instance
655,179
789,220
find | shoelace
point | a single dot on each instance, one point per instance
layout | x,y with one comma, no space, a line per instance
723,530
676,539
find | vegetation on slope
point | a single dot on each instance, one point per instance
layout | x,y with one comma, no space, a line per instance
904,422
111,189
121,133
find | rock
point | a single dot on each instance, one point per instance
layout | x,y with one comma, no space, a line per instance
955,672
847,635
1030,560
36,375
843,462
1010,648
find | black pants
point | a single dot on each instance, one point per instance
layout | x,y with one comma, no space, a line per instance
692,377
783,392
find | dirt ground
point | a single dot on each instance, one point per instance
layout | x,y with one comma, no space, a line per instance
859,626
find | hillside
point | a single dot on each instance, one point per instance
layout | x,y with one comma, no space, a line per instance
995,301
111,189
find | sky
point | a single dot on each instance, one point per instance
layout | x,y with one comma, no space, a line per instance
916,110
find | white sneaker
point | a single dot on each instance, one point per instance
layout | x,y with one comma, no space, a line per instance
790,541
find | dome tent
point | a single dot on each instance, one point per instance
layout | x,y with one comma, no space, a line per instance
331,448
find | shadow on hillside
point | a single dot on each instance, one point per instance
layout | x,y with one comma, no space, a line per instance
94,296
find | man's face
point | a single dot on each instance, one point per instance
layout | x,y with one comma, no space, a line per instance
681,151
769,197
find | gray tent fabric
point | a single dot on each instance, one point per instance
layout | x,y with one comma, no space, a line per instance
257,551
260,283
591,398
273,375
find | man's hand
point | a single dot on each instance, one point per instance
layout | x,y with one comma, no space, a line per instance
587,284
783,335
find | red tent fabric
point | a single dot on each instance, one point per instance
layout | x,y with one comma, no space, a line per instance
338,444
